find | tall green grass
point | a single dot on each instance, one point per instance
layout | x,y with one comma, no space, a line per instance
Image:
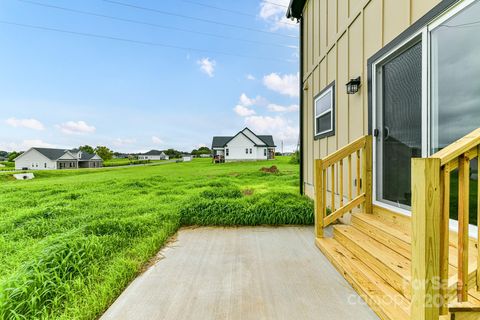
70,241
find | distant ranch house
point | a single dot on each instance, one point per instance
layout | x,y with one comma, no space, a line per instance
244,146
153,155
53,159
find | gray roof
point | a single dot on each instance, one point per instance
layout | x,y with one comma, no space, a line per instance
54,154
220,142
268,140
153,153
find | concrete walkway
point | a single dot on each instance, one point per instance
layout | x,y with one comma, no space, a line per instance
241,273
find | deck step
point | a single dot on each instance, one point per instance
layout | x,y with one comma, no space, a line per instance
388,234
379,295
388,264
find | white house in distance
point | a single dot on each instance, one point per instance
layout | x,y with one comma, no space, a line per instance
244,146
153,155
52,159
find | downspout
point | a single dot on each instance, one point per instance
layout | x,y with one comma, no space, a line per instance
301,107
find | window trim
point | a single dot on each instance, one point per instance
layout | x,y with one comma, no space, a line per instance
321,94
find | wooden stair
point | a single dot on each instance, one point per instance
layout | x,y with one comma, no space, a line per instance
374,256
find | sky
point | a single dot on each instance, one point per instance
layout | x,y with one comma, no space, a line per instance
136,75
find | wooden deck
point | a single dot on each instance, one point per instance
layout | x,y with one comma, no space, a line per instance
374,256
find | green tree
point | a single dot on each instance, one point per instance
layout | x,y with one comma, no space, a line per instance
12,155
104,153
172,153
87,149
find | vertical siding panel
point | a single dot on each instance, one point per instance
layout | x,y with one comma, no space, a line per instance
396,18
309,136
311,35
342,98
355,63
323,27
315,91
331,76
323,84
331,21
372,42
342,14
316,32
420,7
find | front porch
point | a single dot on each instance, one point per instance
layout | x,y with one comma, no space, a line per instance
405,267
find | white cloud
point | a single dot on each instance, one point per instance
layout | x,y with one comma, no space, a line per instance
76,127
247,101
207,66
25,145
243,111
278,108
286,84
25,123
274,15
157,140
250,77
119,142
281,128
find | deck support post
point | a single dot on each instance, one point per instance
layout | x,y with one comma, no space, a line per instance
319,199
426,300
367,174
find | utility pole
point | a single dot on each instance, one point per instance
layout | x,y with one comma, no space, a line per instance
282,147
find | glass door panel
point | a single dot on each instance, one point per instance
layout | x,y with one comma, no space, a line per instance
399,124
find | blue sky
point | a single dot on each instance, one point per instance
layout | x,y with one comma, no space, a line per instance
64,90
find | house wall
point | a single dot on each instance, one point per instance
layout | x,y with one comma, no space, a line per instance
150,158
339,37
34,160
237,148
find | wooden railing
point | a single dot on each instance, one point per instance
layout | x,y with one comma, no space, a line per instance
360,151
431,179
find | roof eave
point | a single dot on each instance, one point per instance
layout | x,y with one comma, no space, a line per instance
295,9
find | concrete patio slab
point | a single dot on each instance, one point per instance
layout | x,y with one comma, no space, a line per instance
241,273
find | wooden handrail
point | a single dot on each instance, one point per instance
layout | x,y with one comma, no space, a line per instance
344,152
431,192
459,147
362,150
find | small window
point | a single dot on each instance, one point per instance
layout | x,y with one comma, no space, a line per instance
265,152
246,150
250,150
45,165
226,152
324,112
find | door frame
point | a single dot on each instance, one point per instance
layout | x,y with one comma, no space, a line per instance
419,36
420,33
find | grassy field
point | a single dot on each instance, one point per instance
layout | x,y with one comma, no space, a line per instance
70,241
7,166
127,162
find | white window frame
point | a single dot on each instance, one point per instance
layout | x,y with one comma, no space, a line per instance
423,35
329,89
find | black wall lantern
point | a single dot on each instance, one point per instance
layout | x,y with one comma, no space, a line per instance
353,85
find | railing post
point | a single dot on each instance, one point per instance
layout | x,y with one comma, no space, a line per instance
367,174
425,239
319,197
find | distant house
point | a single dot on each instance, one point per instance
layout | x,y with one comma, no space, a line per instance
187,157
51,159
153,155
244,146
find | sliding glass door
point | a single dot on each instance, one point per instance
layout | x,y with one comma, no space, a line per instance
399,123
426,95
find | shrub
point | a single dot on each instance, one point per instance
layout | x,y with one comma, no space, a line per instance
295,158
261,209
